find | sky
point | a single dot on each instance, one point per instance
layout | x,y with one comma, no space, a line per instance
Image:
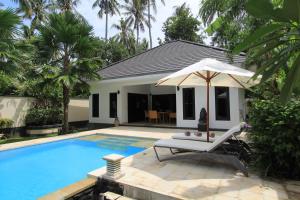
163,12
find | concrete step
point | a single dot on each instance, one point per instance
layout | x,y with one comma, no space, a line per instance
113,196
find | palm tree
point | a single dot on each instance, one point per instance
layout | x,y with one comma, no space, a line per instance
125,33
136,16
9,22
67,44
39,13
35,10
153,4
25,6
107,7
67,5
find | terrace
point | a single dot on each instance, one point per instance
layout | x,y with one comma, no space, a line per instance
146,178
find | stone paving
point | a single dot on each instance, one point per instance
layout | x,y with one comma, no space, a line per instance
192,180
179,179
156,133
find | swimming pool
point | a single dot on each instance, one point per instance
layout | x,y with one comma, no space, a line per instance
31,172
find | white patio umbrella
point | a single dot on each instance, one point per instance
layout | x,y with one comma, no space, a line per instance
210,72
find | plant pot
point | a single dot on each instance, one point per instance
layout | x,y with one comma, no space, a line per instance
43,130
116,122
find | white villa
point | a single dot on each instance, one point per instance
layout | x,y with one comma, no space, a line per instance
127,90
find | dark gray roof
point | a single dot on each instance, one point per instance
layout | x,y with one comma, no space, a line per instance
168,57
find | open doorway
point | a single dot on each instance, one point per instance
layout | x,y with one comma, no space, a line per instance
137,104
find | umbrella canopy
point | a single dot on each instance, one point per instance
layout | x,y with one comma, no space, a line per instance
210,72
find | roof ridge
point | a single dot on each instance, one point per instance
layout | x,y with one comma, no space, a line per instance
169,42
208,46
137,54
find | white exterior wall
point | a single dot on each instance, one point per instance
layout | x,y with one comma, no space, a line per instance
145,85
15,108
78,110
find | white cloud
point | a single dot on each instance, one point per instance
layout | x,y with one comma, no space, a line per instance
163,12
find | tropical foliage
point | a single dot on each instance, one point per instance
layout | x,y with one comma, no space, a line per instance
227,21
275,134
125,35
107,7
136,16
151,3
41,115
182,26
276,43
66,43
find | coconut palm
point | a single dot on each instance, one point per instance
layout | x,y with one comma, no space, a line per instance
153,4
25,6
67,5
136,16
125,33
40,12
107,7
67,45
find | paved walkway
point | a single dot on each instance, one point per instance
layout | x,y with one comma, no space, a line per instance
156,133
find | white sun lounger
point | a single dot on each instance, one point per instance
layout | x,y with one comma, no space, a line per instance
203,138
208,151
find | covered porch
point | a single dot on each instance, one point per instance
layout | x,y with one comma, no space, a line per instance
148,105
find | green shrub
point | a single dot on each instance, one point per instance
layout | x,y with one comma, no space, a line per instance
6,123
276,137
38,116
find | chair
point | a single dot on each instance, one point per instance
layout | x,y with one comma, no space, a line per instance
153,115
218,151
172,116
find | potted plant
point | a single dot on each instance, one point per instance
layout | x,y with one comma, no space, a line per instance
116,122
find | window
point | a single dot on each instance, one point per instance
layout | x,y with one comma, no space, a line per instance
113,105
95,105
222,103
188,100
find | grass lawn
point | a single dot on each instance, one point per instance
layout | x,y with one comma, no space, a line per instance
19,139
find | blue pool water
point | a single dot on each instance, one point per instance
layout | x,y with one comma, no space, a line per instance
31,172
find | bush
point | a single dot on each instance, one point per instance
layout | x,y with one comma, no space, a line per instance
276,137
5,123
38,116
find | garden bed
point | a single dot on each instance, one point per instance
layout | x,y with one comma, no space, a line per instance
43,130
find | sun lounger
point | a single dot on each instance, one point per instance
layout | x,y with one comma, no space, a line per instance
203,138
218,151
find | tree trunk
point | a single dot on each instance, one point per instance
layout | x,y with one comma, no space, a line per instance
66,100
137,35
66,91
149,21
106,19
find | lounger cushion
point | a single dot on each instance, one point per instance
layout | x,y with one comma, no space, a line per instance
184,144
182,136
223,138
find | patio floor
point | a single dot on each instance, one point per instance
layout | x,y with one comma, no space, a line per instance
146,178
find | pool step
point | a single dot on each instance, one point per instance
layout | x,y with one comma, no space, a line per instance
113,196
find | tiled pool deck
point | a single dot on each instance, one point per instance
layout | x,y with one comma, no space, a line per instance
191,180
146,178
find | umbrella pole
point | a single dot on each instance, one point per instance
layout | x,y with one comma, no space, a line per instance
207,108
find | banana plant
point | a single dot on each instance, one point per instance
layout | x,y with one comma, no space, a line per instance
277,42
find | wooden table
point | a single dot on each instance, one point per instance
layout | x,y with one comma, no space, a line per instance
163,115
